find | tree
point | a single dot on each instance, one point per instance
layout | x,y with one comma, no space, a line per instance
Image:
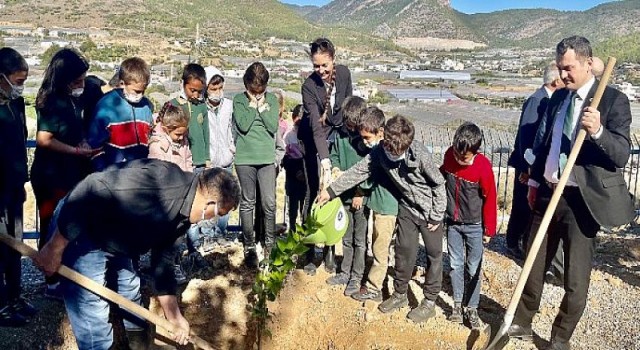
48,54
87,46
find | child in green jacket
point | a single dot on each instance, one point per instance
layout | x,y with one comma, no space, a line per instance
255,119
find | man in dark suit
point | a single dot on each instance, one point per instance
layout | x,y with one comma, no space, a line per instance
595,196
532,112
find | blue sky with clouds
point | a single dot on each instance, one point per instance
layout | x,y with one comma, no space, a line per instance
473,6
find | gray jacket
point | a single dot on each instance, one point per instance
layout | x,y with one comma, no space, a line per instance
417,179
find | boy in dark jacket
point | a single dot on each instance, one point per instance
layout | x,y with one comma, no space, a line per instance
471,217
422,198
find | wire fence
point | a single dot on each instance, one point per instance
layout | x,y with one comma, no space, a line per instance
497,145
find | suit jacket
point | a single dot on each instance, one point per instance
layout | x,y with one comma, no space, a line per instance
532,112
311,131
597,169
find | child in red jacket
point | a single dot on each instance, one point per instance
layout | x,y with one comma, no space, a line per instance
471,217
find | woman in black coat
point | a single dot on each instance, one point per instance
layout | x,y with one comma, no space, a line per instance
322,95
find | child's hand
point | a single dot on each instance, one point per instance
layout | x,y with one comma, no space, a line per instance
323,197
432,227
486,239
356,202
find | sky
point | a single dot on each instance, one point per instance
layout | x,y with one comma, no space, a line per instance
474,6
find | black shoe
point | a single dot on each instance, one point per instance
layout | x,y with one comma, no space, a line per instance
558,345
424,311
23,307
474,320
520,332
516,252
138,339
330,260
53,292
181,278
353,287
10,318
395,302
251,259
456,314
310,269
552,278
368,294
338,279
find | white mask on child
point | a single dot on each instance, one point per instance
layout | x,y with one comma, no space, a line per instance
133,98
16,90
215,99
392,157
77,92
372,144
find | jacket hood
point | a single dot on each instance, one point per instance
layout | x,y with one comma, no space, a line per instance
211,72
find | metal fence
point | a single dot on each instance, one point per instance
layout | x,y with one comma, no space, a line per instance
497,145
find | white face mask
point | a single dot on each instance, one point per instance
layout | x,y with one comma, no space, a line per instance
392,157
77,92
16,91
466,163
133,98
216,99
208,224
259,97
372,144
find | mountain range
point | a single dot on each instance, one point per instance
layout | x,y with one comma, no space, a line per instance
351,23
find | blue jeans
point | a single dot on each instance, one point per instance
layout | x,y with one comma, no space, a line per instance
465,241
89,313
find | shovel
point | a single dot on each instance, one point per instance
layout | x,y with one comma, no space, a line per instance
502,338
106,293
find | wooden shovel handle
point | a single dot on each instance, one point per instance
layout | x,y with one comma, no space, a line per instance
557,193
104,292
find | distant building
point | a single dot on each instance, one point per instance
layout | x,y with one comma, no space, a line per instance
422,95
435,75
632,92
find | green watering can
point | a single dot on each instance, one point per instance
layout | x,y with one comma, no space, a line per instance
332,221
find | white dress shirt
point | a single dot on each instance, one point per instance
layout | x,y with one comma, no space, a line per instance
551,166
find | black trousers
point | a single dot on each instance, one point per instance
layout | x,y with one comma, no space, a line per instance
573,225
406,250
10,265
518,226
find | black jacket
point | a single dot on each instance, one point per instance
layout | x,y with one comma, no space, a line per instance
131,208
311,131
597,169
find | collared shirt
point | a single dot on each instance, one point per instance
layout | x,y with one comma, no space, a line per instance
548,91
551,166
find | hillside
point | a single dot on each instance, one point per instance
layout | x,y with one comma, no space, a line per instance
396,18
544,28
142,21
302,10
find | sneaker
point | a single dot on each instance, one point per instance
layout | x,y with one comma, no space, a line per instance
181,278
553,279
53,292
23,307
338,279
424,311
251,259
310,269
365,294
473,318
456,314
395,302
10,318
353,287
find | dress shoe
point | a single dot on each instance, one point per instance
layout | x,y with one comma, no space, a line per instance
558,345
520,332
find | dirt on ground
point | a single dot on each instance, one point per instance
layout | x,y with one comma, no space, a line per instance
309,314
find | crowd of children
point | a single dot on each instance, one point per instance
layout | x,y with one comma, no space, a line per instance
379,170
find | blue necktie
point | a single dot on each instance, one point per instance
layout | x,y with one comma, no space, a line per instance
565,143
